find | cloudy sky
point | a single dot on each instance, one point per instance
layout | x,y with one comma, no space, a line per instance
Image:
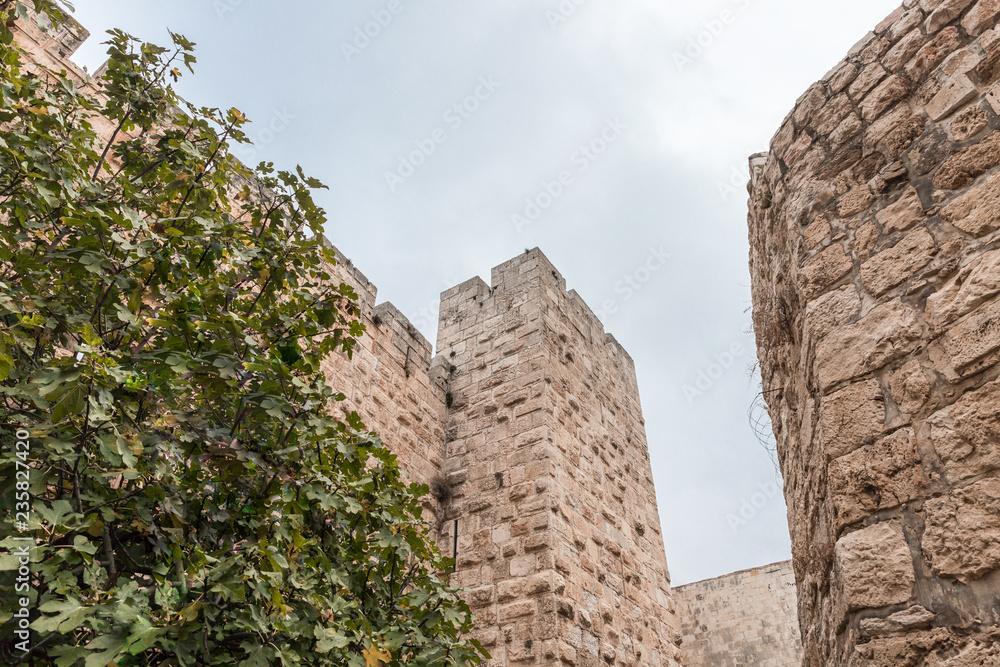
442,129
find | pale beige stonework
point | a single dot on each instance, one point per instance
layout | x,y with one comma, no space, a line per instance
875,257
741,619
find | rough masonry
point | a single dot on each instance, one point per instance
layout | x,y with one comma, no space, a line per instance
528,429
875,255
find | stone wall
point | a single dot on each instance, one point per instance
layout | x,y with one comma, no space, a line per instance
549,478
875,256
393,384
746,618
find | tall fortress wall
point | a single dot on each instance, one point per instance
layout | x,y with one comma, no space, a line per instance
875,256
528,429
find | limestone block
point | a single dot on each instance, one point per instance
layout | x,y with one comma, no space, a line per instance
894,266
869,77
962,538
903,214
865,240
849,127
975,284
874,567
970,345
907,22
908,619
830,116
852,418
969,123
962,168
824,269
977,212
842,76
877,477
816,233
888,332
966,435
832,311
951,98
931,55
947,11
983,15
901,137
886,94
905,49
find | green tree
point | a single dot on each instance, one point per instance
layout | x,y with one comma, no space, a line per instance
163,314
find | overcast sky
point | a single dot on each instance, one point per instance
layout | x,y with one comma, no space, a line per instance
669,98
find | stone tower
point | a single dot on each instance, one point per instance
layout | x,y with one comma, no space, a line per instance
875,255
527,426
548,477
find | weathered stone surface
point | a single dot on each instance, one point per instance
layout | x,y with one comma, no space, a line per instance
905,49
969,123
902,136
927,58
816,233
946,12
855,201
983,652
977,212
887,333
831,115
926,270
908,619
911,386
852,418
965,166
824,270
833,310
865,240
975,284
877,477
962,538
867,79
966,435
887,93
874,567
894,266
981,16
970,345
903,214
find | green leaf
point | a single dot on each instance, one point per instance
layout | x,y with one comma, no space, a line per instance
68,615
